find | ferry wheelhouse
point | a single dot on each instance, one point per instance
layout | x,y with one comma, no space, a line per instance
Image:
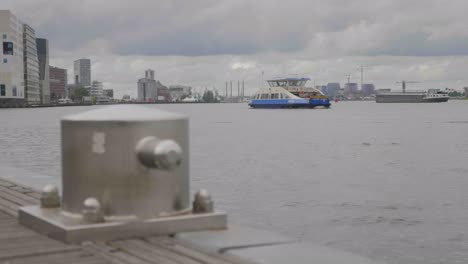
289,93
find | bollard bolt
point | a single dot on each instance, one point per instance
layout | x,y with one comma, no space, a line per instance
92,212
159,154
202,202
50,197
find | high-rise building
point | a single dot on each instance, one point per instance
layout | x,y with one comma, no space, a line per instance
368,89
58,83
82,72
31,66
97,89
44,73
11,60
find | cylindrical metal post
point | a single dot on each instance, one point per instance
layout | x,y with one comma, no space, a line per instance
132,159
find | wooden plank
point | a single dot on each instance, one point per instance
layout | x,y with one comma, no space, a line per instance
32,251
189,251
25,199
74,257
16,245
20,188
149,256
145,247
115,255
28,191
9,207
15,198
6,183
34,195
7,234
4,215
10,221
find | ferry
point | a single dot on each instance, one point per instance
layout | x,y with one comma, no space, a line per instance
289,93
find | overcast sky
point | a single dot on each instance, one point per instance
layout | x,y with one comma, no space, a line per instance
203,43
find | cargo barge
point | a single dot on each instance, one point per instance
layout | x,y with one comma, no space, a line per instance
431,96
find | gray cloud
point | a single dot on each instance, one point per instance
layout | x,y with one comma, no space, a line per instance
209,27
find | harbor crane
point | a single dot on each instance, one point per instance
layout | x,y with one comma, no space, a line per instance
403,85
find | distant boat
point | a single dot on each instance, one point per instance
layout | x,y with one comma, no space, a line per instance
189,100
284,93
65,101
431,96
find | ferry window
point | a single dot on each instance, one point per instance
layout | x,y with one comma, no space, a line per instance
264,96
292,83
285,96
272,84
7,48
2,90
274,96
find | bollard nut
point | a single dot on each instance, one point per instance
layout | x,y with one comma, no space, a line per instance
159,154
203,202
92,212
50,197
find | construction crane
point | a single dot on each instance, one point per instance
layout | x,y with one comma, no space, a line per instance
403,85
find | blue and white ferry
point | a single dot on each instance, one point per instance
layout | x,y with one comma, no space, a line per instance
289,93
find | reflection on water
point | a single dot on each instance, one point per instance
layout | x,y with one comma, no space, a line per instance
388,181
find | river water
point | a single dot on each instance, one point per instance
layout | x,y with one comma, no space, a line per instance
387,181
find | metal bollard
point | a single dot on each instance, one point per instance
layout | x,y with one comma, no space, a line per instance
135,162
125,172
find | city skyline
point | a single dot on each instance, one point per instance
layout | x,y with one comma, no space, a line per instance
326,41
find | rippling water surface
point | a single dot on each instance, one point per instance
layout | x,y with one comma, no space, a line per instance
388,181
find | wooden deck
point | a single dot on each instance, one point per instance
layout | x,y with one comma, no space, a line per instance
21,245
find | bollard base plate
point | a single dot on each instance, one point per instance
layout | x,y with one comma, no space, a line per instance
51,222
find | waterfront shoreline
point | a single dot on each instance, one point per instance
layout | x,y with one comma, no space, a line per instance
80,104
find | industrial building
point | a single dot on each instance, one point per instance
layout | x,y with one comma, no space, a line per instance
179,92
368,89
